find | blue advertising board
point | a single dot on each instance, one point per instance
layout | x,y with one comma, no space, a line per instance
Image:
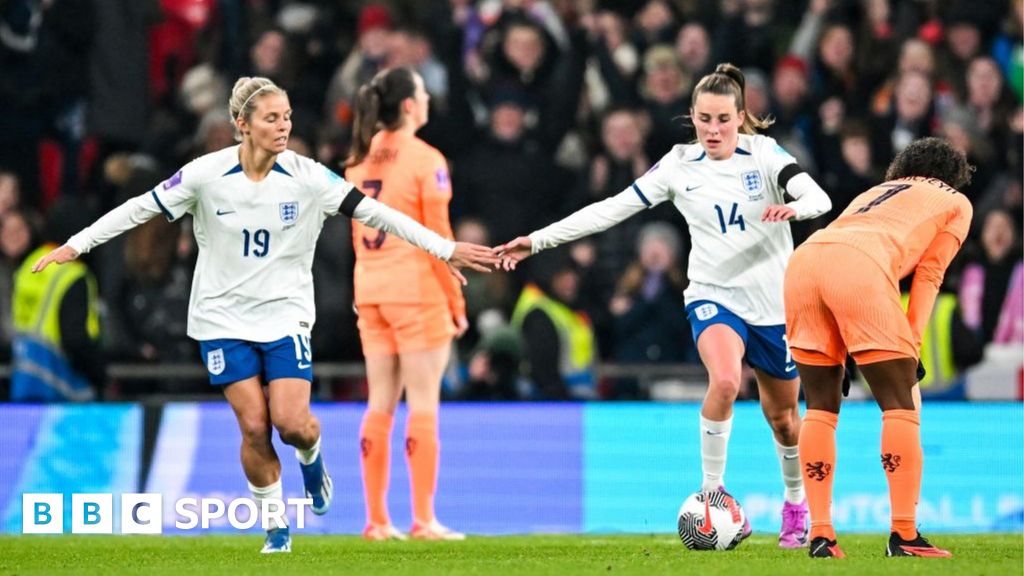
526,468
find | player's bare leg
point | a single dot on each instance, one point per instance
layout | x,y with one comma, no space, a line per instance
721,350
298,427
259,459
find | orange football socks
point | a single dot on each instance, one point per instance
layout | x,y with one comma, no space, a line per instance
421,453
375,446
902,461
818,462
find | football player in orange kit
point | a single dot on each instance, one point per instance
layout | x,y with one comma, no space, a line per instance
842,295
409,306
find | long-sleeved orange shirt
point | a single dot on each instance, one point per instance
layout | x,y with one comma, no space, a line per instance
907,225
410,176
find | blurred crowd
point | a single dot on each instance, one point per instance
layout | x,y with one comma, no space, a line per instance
540,106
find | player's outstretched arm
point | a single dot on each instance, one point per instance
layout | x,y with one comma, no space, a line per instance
514,252
475,256
457,254
58,255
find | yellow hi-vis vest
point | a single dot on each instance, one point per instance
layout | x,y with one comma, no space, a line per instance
937,343
41,371
575,335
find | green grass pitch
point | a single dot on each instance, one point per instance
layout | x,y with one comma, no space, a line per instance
995,554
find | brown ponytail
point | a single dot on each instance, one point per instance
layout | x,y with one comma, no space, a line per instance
379,106
728,80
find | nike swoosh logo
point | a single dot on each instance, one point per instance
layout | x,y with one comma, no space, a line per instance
713,433
706,527
303,366
790,367
223,212
790,456
692,188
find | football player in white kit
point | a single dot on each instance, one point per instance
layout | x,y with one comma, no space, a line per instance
258,209
729,187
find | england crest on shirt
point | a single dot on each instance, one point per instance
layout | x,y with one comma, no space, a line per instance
215,361
752,183
289,212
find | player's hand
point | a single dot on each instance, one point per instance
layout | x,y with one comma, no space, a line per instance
514,252
778,213
59,255
474,256
461,325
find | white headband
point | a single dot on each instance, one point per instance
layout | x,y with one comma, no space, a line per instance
254,93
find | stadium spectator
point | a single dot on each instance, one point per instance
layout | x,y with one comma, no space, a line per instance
735,313
363,62
992,283
663,98
494,367
789,106
485,294
834,74
511,200
252,329
746,34
56,353
558,341
857,171
548,79
648,327
412,48
10,191
119,104
147,312
912,116
990,102
948,347
620,160
409,306
693,46
963,43
655,23
841,297
613,63
19,233
915,55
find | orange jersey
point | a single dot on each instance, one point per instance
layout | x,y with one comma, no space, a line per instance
908,225
895,222
410,176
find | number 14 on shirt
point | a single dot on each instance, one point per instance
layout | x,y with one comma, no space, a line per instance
734,218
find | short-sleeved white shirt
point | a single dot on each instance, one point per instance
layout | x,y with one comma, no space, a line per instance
253,279
735,259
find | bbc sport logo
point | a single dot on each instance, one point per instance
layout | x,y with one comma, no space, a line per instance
143,513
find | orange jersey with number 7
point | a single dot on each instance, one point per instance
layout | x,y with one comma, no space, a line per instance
410,176
895,222
907,225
